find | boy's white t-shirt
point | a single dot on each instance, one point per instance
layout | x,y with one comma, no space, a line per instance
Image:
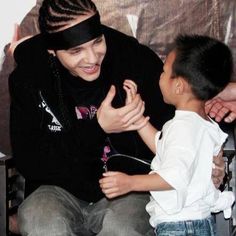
184,158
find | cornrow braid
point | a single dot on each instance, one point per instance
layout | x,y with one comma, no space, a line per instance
72,5
60,9
57,76
56,14
57,23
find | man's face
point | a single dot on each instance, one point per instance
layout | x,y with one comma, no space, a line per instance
84,60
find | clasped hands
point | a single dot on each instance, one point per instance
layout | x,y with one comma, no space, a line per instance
126,118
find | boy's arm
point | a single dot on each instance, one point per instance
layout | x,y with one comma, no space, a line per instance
115,184
147,131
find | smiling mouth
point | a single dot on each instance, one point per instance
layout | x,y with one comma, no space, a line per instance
90,69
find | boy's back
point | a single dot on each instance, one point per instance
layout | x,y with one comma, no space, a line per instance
185,148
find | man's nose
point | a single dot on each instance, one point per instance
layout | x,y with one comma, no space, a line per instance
91,56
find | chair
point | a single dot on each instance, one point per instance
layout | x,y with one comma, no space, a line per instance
11,192
11,183
228,227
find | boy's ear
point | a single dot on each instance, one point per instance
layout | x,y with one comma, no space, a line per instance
182,86
179,85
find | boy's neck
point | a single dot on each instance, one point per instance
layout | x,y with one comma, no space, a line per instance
193,105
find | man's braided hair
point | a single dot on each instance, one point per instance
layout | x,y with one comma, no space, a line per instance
56,14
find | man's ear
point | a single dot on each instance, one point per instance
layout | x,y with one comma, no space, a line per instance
52,52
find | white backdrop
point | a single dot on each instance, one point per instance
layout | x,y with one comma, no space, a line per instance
11,12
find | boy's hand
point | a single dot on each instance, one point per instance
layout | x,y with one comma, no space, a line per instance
131,92
115,184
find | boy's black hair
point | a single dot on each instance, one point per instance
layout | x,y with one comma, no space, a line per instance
205,62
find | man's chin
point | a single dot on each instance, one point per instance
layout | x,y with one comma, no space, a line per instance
90,77
87,76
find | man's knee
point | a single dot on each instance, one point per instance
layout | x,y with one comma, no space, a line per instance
127,216
43,202
44,211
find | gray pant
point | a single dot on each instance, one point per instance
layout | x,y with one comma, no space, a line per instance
52,211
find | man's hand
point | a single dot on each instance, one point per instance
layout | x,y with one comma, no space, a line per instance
218,172
223,106
115,120
220,109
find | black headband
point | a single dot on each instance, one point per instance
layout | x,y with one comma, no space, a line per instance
78,34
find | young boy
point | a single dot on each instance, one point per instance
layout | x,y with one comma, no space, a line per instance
182,192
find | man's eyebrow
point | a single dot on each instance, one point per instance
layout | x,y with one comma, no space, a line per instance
74,48
99,37
79,46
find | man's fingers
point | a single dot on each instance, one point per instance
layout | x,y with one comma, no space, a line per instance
218,172
230,118
219,160
110,95
135,115
213,106
217,182
220,109
132,108
221,113
231,105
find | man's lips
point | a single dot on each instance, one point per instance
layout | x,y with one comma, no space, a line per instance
90,69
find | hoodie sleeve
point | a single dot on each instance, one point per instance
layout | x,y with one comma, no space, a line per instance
24,127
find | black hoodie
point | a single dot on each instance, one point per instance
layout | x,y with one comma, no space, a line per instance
49,144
